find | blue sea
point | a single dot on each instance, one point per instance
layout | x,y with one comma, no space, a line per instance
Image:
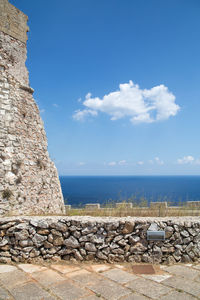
79,190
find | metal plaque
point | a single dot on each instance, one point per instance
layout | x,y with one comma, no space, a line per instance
155,235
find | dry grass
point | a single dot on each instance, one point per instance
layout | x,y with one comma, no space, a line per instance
135,212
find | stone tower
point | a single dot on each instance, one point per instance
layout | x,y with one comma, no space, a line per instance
29,182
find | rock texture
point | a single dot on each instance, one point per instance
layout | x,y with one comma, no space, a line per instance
27,239
29,182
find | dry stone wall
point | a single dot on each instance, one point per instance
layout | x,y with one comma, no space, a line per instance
29,239
29,182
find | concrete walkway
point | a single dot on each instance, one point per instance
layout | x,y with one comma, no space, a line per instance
99,281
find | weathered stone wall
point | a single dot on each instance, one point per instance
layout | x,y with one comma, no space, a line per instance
29,182
13,21
98,239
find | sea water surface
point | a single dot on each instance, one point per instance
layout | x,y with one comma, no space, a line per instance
79,190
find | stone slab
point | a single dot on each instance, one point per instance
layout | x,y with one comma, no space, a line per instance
47,278
83,277
119,276
92,297
148,288
67,291
4,295
119,266
99,268
181,284
178,296
29,268
7,268
109,290
65,269
11,279
183,271
134,296
157,278
30,291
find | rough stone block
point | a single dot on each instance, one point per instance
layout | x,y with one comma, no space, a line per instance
92,206
124,205
193,204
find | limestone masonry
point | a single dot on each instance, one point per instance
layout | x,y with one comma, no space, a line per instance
29,239
29,182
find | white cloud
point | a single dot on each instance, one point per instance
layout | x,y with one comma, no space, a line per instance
158,161
55,105
139,105
81,163
140,163
42,111
80,115
186,160
122,162
112,163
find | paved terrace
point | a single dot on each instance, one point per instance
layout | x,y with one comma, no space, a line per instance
99,281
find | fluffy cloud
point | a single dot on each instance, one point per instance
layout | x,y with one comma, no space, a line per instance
139,105
140,163
120,163
186,160
80,115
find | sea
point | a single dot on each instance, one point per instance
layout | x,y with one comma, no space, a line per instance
79,190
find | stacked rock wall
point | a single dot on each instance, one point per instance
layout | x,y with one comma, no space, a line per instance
98,239
29,182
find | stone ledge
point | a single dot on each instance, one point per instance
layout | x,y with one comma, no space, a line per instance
27,89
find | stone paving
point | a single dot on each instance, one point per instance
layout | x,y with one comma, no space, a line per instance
62,281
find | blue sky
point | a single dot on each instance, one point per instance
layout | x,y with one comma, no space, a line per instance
117,83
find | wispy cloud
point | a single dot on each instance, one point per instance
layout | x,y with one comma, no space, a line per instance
139,105
119,163
140,163
185,160
112,163
156,160
42,111
81,115
55,105
81,163
122,162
